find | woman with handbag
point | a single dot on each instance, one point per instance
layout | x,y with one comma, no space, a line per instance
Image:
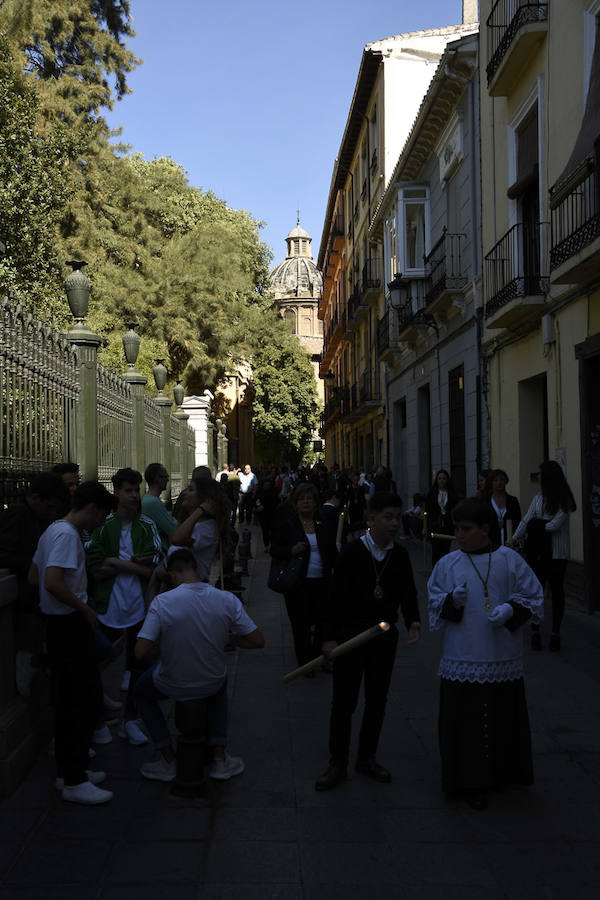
303,550
441,500
548,518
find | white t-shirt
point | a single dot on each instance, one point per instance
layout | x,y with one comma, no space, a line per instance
126,604
60,545
247,481
205,541
191,624
315,563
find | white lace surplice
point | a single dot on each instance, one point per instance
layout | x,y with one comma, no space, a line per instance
474,650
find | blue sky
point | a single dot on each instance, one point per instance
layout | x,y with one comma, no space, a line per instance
252,98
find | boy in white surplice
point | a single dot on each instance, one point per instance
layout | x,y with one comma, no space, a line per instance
481,597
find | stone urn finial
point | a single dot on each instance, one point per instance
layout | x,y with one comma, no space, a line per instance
78,287
178,393
160,374
131,344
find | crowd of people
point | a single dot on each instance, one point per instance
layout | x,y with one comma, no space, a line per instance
95,566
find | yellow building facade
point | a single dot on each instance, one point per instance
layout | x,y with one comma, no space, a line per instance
540,123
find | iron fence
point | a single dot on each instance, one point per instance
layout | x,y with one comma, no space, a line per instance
575,214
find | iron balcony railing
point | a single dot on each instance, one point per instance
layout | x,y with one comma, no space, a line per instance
337,227
443,266
503,23
369,387
512,267
374,161
370,276
384,338
575,213
405,315
363,192
333,404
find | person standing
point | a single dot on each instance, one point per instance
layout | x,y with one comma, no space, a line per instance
481,596
59,569
549,513
506,508
372,580
122,554
298,531
157,478
440,501
248,488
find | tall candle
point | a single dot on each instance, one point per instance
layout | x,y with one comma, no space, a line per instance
348,645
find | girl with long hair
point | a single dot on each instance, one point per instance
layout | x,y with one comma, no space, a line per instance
551,508
440,501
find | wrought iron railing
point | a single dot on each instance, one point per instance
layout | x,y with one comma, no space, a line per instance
513,269
384,341
575,213
369,387
443,266
503,23
115,423
38,398
374,161
371,279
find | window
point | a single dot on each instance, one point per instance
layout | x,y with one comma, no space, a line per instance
374,140
290,320
391,248
413,230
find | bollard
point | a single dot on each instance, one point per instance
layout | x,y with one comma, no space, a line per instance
190,721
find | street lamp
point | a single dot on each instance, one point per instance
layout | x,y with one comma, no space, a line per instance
399,289
426,320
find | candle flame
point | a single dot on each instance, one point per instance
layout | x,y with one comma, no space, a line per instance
384,626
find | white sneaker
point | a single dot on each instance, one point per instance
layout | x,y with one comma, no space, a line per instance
131,731
112,705
159,770
102,735
224,769
125,680
86,793
93,778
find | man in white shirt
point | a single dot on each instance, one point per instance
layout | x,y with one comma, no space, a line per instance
248,487
59,569
190,626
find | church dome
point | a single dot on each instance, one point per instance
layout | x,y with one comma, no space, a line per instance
298,274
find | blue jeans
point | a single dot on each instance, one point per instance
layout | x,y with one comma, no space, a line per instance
148,697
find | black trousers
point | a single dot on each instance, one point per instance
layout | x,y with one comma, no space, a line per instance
246,506
135,666
77,692
304,607
375,662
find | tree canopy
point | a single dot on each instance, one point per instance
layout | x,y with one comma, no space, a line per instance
193,272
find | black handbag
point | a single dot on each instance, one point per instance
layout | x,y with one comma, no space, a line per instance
285,574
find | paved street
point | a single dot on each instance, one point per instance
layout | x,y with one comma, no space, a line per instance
268,834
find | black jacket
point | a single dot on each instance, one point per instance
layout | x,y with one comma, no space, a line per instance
287,530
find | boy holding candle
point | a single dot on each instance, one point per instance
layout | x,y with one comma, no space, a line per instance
481,597
372,579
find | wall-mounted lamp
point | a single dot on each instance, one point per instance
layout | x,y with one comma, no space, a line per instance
426,320
399,289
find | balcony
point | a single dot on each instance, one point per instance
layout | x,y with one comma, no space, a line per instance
374,162
575,247
371,281
357,307
515,286
333,407
337,233
387,338
515,28
369,394
363,193
443,267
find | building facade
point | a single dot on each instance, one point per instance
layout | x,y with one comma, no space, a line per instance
540,124
393,78
428,336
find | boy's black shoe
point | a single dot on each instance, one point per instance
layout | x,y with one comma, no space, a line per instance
372,769
332,776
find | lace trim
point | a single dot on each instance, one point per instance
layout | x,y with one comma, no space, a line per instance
472,671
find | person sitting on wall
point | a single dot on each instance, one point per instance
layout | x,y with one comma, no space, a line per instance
188,627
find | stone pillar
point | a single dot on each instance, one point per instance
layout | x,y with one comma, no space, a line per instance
86,344
198,410
137,383
186,454
164,406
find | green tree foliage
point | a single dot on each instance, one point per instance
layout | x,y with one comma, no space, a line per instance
34,186
191,271
74,49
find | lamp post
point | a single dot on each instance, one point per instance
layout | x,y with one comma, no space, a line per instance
137,383
399,289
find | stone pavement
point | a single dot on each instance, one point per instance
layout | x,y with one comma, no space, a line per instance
267,835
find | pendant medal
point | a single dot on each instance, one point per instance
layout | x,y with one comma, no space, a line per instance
378,592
